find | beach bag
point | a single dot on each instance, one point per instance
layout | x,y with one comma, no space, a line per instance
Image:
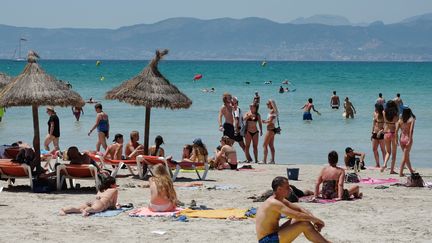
45,185
277,130
415,180
352,178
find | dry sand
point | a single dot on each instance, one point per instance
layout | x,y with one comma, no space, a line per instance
396,214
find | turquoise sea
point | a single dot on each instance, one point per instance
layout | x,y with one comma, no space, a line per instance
299,142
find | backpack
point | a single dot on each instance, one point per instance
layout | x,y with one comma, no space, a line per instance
352,178
414,180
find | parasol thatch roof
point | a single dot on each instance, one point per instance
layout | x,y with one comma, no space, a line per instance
35,87
4,79
151,89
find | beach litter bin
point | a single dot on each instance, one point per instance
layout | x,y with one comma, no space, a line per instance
293,173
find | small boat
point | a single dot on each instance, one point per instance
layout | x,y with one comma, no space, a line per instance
19,58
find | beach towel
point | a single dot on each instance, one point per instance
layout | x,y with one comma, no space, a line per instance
110,213
308,199
215,213
223,187
252,170
190,188
146,212
373,181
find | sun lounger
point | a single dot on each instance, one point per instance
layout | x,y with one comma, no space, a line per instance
152,161
118,164
184,165
81,172
11,170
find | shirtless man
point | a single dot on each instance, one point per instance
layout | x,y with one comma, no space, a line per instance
334,101
256,99
227,112
349,109
380,100
133,148
398,102
332,178
226,157
307,115
301,220
77,111
114,151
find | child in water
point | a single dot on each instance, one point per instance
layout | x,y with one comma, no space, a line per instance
106,199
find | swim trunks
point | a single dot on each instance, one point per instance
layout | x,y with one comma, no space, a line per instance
335,106
228,130
271,238
238,137
307,116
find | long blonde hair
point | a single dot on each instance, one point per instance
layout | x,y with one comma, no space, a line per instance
164,183
273,104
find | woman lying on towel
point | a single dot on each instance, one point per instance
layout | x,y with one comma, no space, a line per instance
106,199
332,179
162,192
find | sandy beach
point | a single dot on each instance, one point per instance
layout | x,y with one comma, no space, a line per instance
396,214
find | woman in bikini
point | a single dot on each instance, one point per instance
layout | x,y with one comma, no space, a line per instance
106,199
157,150
163,197
390,118
269,137
102,125
332,178
252,117
406,125
378,133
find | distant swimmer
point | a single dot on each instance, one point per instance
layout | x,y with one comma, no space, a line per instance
307,115
91,101
281,90
285,82
334,101
247,82
268,82
212,90
256,99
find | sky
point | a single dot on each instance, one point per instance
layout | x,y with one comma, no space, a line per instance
116,13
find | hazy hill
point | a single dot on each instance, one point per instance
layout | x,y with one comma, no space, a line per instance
226,38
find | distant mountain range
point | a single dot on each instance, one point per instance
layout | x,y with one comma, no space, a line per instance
320,37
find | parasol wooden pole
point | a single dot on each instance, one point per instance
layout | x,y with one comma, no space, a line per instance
147,130
36,138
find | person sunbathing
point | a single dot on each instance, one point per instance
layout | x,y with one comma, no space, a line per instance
332,179
157,150
301,220
106,199
227,156
163,197
114,151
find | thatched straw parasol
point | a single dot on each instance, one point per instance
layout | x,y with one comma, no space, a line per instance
36,88
150,89
4,79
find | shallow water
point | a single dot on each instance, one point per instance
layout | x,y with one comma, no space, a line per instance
300,142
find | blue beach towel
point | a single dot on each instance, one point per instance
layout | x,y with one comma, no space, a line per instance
111,213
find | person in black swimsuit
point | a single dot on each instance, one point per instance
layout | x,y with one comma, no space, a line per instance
251,135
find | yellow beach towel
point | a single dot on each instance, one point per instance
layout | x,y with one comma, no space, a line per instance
215,213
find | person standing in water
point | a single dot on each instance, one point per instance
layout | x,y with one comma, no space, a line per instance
334,101
53,130
77,111
349,109
307,115
102,125
399,103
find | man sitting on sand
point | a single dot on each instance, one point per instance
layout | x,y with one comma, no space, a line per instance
301,220
332,179
226,157
115,150
351,162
